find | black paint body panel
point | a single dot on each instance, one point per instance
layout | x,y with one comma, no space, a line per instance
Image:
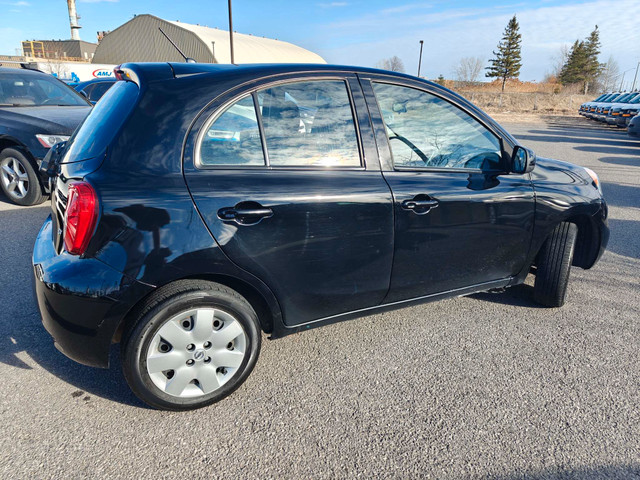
337,246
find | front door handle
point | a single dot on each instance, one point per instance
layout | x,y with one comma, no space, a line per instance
245,213
420,204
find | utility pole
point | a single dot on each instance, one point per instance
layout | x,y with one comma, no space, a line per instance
231,33
622,81
420,59
635,77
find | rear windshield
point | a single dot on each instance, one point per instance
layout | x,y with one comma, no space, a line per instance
97,131
29,90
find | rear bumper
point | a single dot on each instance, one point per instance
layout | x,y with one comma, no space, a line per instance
81,300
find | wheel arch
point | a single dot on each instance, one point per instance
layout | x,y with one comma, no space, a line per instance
267,313
587,242
7,141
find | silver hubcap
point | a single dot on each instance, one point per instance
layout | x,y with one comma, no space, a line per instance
14,177
196,352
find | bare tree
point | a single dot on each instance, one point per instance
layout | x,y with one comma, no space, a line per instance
609,77
55,68
393,64
559,60
469,69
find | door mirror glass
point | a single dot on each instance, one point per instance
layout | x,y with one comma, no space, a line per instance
523,160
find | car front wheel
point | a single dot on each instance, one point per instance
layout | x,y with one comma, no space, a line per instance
194,343
19,179
554,264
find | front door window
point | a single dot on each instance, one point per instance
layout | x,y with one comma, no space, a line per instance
426,131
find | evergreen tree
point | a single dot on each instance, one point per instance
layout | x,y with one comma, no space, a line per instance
582,65
593,67
507,61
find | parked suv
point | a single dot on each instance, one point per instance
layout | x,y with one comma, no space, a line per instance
36,111
585,107
200,205
591,107
606,111
628,111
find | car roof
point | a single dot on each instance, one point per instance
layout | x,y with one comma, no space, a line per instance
27,71
267,68
154,71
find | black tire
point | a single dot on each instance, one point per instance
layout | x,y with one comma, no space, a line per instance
33,194
554,265
163,306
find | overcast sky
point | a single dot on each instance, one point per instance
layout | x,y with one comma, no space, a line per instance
363,32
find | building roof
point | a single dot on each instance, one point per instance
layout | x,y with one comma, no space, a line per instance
141,40
250,48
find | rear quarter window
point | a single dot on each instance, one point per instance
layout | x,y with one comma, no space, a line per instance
99,129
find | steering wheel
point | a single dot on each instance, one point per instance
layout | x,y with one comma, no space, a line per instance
50,100
410,144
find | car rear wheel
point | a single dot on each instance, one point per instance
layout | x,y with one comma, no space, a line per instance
19,179
554,265
194,343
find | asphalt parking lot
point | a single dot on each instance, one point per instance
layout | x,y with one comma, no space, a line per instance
488,386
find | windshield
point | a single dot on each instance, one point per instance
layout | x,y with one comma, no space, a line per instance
635,99
615,98
624,97
28,90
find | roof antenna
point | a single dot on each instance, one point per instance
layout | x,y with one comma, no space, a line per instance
186,59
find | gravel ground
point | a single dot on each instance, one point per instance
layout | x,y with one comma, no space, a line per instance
489,386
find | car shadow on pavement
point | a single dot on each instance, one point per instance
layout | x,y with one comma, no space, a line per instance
605,142
624,161
628,149
28,339
23,340
621,195
624,235
517,296
599,472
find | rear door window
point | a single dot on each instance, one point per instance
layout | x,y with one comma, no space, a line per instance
309,123
232,137
305,124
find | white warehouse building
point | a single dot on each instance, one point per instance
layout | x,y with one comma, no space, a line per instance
140,40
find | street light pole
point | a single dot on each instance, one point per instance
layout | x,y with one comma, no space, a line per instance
635,77
231,33
420,59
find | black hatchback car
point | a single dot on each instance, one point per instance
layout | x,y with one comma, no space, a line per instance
36,111
200,205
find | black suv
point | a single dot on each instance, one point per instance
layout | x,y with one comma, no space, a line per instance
199,205
36,111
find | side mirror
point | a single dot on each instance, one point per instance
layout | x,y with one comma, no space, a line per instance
83,93
522,160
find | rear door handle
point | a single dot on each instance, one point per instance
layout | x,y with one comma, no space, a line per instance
245,213
420,204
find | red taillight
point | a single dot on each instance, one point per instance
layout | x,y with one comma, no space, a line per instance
80,218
